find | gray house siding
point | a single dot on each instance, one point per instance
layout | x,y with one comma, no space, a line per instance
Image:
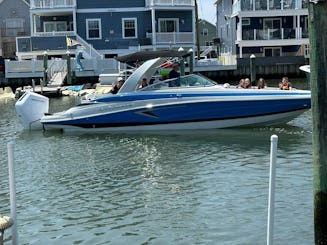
102,25
11,10
208,32
15,9
87,4
111,27
226,27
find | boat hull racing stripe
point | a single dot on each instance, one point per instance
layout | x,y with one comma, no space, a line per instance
129,124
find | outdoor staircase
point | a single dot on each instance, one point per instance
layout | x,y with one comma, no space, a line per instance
207,51
88,51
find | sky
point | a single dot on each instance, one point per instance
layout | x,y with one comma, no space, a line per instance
207,10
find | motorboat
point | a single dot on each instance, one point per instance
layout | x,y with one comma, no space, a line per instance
186,103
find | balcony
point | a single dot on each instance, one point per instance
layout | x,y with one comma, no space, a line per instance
274,34
153,3
172,37
266,5
52,4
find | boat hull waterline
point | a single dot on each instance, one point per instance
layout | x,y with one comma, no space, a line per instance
177,116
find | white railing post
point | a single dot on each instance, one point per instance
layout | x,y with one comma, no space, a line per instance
12,189
271,200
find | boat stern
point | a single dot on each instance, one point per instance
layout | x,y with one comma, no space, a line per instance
30,108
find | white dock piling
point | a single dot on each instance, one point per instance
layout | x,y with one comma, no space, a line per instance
12,188
271,200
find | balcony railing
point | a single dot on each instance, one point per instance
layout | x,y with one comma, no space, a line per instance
274,34
151,3
50,4
172,37
257,5
54,34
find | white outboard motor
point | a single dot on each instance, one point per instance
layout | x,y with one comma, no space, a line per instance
30,108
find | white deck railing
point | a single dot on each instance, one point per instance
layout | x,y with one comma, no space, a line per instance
45,4
54,34
88,48
150,3
24,66
172,37
35,68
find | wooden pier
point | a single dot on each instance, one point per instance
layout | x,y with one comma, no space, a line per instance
46,91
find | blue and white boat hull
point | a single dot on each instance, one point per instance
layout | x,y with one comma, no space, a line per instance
186,103
178,113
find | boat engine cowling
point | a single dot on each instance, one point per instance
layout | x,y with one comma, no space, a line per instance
30,108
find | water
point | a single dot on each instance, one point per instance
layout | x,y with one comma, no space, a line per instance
206,187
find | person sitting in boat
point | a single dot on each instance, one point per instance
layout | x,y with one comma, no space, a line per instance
174,74
247,83
241,83
285,84
116,87
261,83
144,83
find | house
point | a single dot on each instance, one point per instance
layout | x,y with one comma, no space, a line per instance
107,28
207,37
14,22
275,31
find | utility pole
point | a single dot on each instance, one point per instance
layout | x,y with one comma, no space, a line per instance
45,69
197,31
318,79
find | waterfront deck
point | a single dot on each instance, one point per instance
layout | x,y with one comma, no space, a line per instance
95,67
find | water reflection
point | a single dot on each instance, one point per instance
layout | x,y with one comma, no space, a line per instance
189,187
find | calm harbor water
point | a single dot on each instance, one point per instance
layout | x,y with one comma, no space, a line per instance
205,187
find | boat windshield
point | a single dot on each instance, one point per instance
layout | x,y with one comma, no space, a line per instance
181,82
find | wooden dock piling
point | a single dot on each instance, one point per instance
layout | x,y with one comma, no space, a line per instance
318,78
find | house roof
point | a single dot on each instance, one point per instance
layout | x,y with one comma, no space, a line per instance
27,2
206,22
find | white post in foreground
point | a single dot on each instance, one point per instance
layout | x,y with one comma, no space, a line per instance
271,200
12,188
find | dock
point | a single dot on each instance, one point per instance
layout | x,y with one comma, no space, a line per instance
46,91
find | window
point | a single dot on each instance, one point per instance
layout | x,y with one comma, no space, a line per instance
129,28
272,28
168,25
93,29
209,43
269,52
51,26
245,21
14,27
204,32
